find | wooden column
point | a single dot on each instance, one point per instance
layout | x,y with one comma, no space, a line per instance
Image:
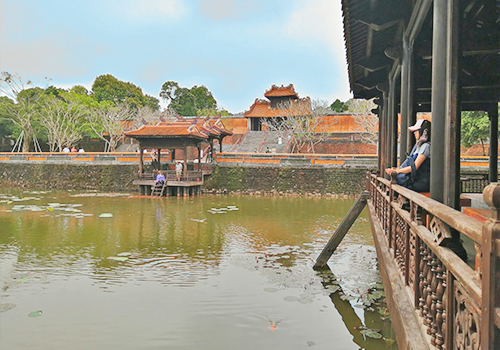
387,143
393,124
210,154
408,114
199,157
453,109
381,137
141,160
493,170
438,99
159,158
185,165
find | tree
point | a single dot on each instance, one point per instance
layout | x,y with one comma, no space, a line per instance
475,129
107,123
187,102
213,112
63,121
11,84
339,106
23,111
79,90
24,115
363,116
301,119
108,88
143,116
6,125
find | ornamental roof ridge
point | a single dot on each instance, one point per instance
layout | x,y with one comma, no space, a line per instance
275,90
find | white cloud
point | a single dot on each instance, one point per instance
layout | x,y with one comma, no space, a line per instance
51,57
320,22
218,10
156,10
317,20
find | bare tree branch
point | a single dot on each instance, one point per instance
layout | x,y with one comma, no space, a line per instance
301,120
107,124
361,112
64,122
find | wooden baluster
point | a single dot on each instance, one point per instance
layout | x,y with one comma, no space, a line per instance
448,311
418,270
423,273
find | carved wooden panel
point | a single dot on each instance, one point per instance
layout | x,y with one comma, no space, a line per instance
466,321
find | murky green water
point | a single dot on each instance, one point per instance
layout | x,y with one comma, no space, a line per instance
214,272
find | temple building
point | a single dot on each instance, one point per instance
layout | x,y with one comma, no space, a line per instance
282,102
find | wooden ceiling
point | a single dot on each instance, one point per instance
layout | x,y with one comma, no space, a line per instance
374,30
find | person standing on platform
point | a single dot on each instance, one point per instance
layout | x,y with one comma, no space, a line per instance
154,160
178,170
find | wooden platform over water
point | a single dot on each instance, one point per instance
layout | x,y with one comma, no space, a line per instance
189,185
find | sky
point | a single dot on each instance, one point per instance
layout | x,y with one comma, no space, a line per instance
236,48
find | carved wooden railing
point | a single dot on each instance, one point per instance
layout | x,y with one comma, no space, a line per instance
458,305
170,175
473,182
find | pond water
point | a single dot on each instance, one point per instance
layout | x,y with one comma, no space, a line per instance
117,271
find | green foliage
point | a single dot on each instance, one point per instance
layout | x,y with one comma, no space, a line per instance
187,102
212,112
6,125
339,106
108,88
54,91
475,128
79,89
30,95
360,106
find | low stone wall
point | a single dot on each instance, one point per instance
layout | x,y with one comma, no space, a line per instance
120,177
282,180
111,177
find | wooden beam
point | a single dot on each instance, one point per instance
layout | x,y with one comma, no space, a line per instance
341,231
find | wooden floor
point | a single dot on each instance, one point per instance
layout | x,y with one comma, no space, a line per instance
172,188
406,325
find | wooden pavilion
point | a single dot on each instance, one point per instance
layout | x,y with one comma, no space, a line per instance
181,134
415,56
443,57
282,102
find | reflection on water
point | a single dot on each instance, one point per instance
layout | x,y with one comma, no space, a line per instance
184,273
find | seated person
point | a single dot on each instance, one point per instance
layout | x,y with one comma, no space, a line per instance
414,173
160,179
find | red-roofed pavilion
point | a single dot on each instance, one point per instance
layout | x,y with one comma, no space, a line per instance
179,134
283,102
